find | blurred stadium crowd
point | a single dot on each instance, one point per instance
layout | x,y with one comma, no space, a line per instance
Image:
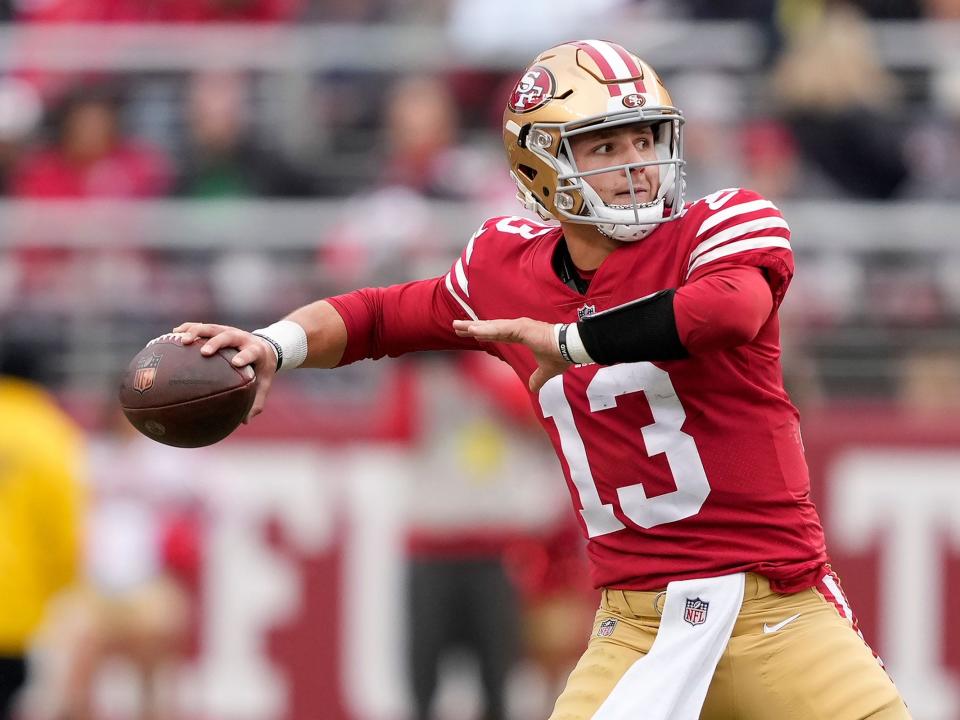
229,160
813,104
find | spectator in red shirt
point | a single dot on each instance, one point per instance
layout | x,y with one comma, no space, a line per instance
90,157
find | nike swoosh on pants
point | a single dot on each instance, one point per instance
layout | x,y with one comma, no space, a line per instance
780,625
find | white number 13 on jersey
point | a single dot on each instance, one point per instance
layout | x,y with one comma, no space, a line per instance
662,436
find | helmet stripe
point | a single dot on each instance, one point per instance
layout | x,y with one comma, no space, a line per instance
632,66
612,66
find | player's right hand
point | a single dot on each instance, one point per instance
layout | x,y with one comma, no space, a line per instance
251,350
536,335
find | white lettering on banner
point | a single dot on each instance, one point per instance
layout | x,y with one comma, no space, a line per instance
250,588
910,500
374,623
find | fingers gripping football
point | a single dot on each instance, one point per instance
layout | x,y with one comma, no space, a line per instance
251,350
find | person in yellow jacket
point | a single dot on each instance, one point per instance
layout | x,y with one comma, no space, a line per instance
40,498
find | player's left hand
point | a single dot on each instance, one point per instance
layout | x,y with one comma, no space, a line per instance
536,335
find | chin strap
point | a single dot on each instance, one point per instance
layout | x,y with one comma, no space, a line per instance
625,233
625,230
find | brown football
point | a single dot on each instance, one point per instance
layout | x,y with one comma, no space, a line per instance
174,395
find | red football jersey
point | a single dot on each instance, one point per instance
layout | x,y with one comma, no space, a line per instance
680,469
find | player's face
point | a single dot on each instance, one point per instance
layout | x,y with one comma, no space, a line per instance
619,146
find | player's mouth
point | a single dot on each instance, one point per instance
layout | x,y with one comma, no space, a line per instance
624,197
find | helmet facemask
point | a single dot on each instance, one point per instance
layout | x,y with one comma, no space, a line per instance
632,221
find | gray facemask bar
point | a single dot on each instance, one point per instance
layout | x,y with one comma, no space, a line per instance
573,181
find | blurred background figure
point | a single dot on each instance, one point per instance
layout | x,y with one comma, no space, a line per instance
557,605
420,156
90,154
483,485
419,138
714,107
40,511
840,101
133,604
423,142
423,146
20,112
931,379
222,158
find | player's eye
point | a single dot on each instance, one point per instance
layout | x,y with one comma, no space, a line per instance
602,148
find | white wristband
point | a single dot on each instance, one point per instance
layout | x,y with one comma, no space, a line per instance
570,344
289,341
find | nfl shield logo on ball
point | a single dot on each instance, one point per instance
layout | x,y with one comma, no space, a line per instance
146,373
695,611
586,311
606,628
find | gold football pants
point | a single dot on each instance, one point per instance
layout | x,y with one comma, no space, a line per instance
815,666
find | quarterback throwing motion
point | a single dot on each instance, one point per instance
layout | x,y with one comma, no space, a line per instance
646,329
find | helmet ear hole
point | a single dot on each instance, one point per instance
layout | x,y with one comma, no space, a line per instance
528,172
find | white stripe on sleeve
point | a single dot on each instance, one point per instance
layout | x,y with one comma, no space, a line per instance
467,308
473,239
768,241
461,277
733,211
765,223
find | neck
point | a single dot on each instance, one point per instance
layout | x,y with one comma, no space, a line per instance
588,246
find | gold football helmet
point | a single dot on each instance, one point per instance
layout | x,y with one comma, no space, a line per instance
576,88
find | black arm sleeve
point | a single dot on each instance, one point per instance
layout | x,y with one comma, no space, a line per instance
644,329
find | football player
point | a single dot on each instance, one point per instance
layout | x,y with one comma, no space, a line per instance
646,328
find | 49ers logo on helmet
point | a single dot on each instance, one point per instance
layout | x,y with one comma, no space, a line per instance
534,89
634,100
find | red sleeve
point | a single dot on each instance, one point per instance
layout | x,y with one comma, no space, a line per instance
400,319
741,227
723,309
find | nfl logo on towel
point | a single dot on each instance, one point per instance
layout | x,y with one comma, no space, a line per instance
606,628
695,611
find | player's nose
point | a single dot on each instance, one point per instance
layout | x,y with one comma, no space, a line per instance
632,158
637,171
